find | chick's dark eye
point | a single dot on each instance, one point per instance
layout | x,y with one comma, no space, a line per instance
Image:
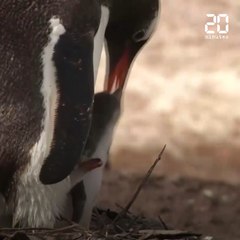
139,35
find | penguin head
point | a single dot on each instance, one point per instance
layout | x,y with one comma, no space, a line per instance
131,25
106,108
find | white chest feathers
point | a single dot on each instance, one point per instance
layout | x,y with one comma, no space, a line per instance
38,205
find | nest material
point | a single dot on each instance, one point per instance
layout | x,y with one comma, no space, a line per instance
105,227
109,225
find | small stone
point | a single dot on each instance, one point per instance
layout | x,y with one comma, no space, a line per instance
208,193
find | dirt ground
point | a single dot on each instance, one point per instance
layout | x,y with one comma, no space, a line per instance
210,208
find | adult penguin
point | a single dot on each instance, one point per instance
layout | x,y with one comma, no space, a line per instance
46,95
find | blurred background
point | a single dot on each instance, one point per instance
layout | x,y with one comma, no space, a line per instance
184,91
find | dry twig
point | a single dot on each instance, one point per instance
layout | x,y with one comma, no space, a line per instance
145,179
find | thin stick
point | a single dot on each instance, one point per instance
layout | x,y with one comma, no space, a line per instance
149,173
64,229
163,223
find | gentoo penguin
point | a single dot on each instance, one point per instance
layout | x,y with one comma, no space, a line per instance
46,96
106,112
131,24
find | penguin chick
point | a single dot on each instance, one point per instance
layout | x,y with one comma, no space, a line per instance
106,112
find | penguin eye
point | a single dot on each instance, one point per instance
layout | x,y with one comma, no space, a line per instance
139,35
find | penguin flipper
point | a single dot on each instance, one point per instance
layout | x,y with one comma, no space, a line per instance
73,116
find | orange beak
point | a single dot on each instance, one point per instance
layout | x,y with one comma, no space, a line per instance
118,74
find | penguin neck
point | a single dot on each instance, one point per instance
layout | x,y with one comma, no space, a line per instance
99,39
100,138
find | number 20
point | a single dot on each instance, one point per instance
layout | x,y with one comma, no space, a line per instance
217,19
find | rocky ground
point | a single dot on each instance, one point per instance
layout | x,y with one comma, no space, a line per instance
210,208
